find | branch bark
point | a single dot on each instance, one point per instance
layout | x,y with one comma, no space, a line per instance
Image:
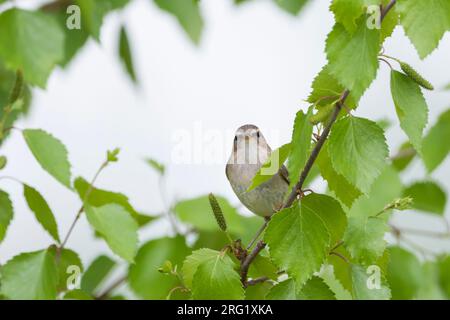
247,261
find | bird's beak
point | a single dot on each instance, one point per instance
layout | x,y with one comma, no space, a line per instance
247,138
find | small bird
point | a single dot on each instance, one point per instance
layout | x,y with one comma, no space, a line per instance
250,152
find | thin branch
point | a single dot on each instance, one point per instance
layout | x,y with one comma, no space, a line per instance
420,232
385,10
337,254
111,288
167,206
256,281
263,227
246,262
312,158
80,211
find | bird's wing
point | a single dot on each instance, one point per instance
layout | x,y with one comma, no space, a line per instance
284,174
227,167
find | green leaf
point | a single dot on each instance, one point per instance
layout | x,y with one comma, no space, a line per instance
444,276
430,288
427,196
328,274
188,15
30,276
404,274
98,197
331,213
94,11
406,154
3,162
300,145
364,237
125,54
262,266
21,47
74,39
117,227
298,239
390,21
50,153
77,294
258,291
144,277
41,210
424,33
314,289
347,12
364,288
271,166
358,151
6,213
192,262
361,48
435,149
411,107
291,6
8,80
284,290
216,279
159,167
326,89
96,273
343,190
68,264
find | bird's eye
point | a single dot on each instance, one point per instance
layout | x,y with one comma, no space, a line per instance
257,134
235,138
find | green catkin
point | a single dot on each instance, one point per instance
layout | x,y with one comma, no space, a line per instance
217,212
17,89
322,114
414,75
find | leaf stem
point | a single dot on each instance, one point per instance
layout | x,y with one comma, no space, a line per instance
80,211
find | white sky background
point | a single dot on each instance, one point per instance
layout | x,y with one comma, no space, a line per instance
255,64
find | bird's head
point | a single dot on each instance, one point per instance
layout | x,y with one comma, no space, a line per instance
249,143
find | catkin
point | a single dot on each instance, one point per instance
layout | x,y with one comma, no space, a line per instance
217,212
17,89
414,75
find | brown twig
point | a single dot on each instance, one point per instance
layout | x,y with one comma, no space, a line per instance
246,262
258,233
337,254
420,232
111,288
256,281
